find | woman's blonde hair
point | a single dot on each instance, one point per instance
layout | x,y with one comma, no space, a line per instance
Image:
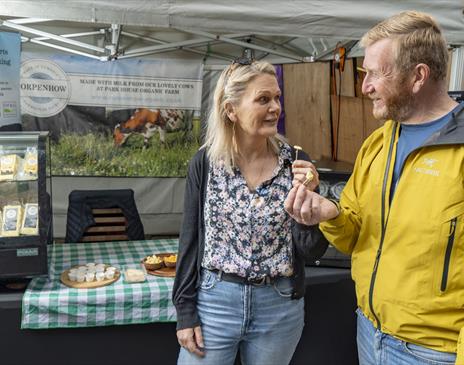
418,40
220,130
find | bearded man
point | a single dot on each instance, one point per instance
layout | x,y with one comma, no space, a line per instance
401,214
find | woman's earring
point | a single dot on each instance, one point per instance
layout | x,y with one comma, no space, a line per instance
234,140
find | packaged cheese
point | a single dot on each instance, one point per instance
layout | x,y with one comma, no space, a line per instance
134,273
30,222
11,220
30,162
8,166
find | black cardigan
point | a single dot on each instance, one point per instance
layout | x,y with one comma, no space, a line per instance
308,243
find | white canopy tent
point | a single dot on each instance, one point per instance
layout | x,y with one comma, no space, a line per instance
216,30
213,32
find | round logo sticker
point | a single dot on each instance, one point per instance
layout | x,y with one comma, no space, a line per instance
45,88
11,213
32,210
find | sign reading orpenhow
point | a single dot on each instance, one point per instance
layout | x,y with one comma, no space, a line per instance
45,88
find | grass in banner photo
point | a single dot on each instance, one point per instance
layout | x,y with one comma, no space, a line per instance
98,155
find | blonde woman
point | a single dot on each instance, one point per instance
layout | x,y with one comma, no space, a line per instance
240,277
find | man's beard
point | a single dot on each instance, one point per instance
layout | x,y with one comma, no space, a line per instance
398,106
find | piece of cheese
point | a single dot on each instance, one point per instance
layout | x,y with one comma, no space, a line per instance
8,166
11,220
30,162
153,260
309,176
171,258
30,221
134,275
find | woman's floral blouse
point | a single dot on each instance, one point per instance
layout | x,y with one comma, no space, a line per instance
248,233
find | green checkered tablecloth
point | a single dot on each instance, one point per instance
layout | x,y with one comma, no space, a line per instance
47,303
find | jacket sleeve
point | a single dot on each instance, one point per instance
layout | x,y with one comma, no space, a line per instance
343,231
184,294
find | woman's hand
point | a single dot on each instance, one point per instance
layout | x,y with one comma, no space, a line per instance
192,340
300,169
307,207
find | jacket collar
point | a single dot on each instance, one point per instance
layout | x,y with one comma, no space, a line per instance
452,132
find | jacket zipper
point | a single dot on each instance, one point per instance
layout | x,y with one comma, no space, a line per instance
449,249
384,227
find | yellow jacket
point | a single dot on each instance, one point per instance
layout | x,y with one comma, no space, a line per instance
414,290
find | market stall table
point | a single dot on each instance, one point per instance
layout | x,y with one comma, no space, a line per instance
52,329
47,303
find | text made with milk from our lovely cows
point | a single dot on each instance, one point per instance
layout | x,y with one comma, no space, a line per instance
136,86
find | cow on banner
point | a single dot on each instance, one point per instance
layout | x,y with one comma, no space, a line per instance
149,121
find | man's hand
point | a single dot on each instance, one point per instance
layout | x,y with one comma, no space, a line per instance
308,207
192,340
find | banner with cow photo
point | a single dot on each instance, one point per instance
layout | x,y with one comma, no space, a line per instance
128,117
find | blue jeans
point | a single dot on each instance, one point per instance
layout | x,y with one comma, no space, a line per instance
262,321
378,348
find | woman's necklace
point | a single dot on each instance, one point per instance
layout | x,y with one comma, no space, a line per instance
247,171
253,184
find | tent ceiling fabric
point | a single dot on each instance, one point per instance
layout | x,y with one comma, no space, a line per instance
339,19
299,28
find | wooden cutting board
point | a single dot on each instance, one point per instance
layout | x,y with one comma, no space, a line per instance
164,271
87,285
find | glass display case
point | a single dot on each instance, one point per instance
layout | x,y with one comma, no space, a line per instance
25,213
